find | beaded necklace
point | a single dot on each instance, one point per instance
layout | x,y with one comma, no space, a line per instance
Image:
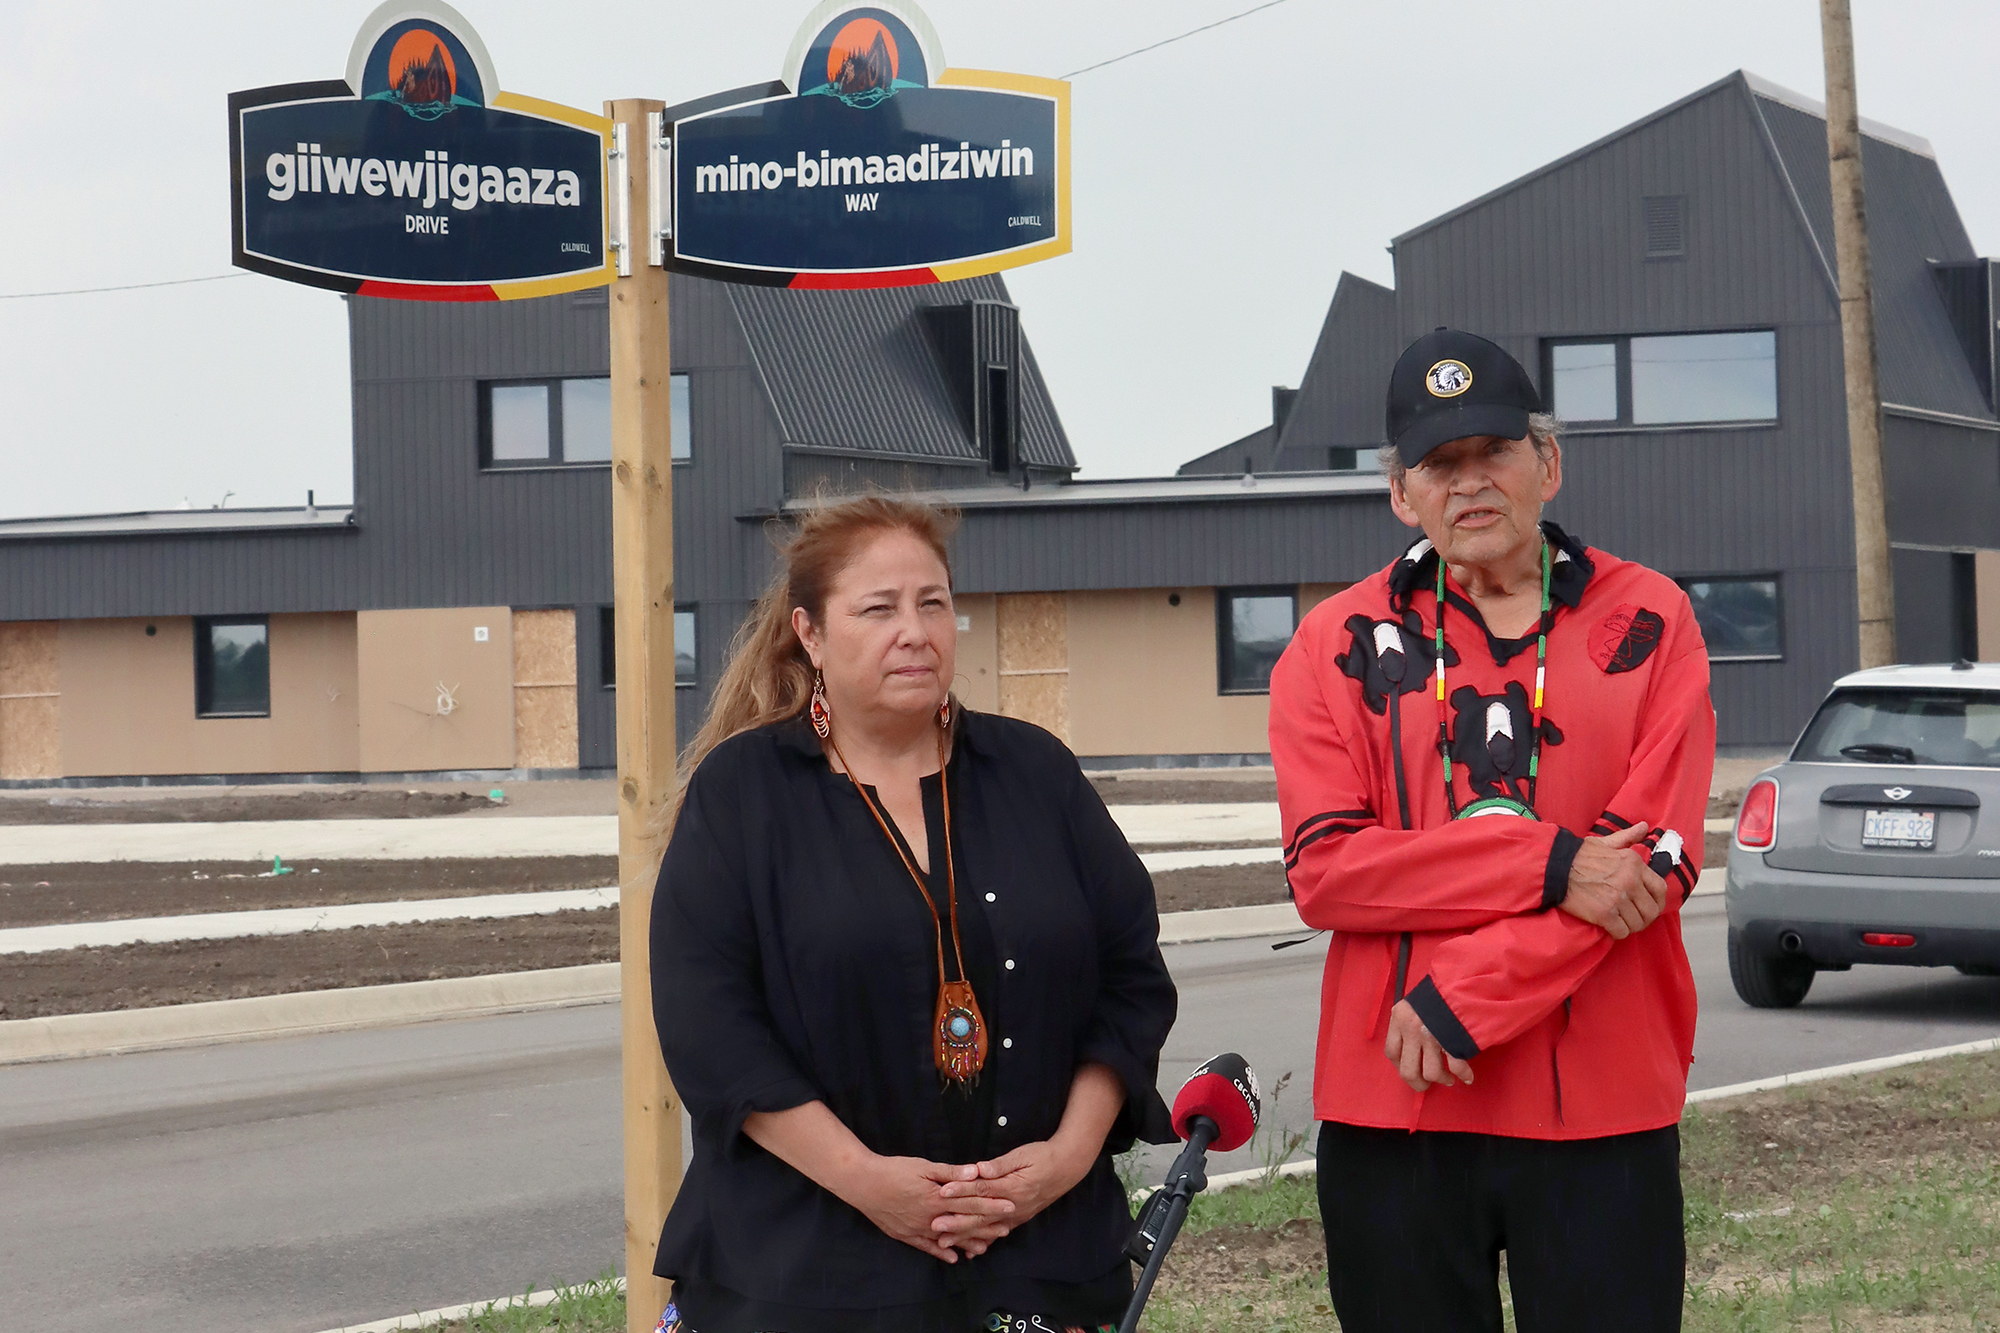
1495,805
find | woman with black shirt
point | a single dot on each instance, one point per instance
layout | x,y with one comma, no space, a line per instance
906,975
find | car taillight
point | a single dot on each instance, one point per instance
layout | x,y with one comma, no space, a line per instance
1757,821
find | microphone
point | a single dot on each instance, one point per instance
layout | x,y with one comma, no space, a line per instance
1224,1093
1219,1107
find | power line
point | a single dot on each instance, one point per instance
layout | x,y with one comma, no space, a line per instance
1268,4
127,287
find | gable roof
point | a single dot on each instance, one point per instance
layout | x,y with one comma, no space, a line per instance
855,371
1911,221
1340,402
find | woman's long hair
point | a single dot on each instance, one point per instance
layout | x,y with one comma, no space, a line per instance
769,677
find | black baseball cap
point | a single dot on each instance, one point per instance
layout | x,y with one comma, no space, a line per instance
1448,385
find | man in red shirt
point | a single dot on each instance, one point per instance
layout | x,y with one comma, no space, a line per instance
1493,763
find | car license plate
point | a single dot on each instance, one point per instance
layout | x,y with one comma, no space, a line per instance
1913,830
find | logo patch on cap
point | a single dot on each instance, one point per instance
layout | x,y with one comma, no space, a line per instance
1448,379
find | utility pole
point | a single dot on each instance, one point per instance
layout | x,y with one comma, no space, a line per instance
1877,592
642,561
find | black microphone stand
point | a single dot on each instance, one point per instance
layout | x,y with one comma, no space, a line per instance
1164,1213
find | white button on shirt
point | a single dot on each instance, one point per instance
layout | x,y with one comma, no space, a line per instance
992,897
1010,965
1003,1120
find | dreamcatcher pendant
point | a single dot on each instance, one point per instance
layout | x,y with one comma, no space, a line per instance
958,1036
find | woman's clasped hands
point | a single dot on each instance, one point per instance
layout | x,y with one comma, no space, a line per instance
947,1211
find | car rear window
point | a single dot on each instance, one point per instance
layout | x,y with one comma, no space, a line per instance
1959,727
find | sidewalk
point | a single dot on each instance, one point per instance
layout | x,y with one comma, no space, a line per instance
481,838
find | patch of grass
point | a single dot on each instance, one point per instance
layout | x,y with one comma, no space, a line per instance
1869,1204
597,1306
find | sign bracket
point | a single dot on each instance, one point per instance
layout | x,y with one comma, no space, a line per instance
620,242
659,186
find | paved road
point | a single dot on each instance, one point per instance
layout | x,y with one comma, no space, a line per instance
294,1185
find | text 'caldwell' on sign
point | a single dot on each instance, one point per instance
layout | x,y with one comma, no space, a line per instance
416,176
871,164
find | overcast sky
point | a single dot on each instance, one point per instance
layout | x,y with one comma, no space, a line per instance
1221,185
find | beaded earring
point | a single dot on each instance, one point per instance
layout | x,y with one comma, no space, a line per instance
822,716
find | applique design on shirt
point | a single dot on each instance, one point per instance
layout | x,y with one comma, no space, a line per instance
1492,736
1666,854
1389,656
1626,639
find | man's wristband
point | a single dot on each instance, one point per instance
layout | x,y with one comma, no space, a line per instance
1555,880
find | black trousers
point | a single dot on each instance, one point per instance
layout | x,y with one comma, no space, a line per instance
1415,1223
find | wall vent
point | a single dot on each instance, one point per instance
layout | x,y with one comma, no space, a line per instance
1666,216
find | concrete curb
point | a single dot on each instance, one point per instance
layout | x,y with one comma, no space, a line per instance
68,1036
445,1314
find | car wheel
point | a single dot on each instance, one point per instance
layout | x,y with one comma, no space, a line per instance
1979,969
1765,982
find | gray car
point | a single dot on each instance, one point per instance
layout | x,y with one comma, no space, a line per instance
1872,843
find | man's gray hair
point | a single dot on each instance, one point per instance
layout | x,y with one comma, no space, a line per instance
1542,428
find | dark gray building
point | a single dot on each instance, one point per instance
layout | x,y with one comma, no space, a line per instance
1673,287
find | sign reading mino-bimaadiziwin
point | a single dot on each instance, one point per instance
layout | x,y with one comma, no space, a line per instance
416,176
871,164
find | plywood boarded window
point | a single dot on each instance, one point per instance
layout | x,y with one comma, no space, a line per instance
545,689
30,703
1033,633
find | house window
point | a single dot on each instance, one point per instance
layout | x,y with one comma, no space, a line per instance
232,666
684,648
1670,380
683,421
1740,617
1252,627
542,423
685,676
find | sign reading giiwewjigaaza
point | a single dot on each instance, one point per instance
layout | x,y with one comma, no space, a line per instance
871,164
416,176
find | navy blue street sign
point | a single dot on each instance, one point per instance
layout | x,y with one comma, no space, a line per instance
416,176
871,164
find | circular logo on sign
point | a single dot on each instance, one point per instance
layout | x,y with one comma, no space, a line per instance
1448,379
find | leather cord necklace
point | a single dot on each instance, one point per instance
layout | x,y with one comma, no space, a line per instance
958,1029
1497,805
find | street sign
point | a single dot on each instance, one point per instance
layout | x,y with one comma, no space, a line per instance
871,164
415,176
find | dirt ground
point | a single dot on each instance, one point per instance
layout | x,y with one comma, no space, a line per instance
183,807
68,981
107,891
140,976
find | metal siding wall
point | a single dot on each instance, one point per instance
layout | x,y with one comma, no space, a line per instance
1943,483
1190,544
1564,255
1924,628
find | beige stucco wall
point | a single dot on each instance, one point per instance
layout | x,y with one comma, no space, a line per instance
977,682
433,695
1142,678
128,701
1986,582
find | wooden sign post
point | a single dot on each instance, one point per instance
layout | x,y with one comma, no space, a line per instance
642,555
